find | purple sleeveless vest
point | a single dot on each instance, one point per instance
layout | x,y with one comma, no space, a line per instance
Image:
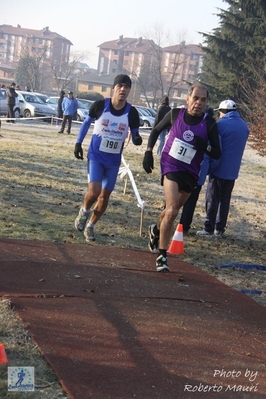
178,153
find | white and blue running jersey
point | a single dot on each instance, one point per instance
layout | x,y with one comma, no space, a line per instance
108,137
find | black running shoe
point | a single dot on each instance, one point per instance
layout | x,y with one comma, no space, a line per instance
154,240
161,264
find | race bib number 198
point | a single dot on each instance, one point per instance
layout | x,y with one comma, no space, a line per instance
182,151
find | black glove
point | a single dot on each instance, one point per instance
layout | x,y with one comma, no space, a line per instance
137,140
148,162
78,151
199,144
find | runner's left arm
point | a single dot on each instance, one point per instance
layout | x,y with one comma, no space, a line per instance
133,118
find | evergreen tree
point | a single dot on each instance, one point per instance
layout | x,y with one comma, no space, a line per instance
236,51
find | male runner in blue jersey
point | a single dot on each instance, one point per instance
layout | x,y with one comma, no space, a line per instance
112,118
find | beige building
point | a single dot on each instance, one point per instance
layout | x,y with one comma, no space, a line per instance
91,81
139,58
16,42
125,55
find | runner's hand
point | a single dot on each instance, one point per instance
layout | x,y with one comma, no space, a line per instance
78,151
148,162
199,144
137,140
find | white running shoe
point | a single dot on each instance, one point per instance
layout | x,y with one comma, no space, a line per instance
89,234
81,219
204,233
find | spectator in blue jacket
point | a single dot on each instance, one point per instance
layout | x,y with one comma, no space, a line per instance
69,108
234,132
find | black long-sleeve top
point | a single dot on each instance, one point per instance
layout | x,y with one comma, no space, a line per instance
169,120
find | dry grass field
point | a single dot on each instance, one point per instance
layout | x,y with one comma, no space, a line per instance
41,189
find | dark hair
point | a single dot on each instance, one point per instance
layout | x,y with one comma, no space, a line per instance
197,85
165,100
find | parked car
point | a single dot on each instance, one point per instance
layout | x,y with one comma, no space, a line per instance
3,105
52,102
87,103
144,115
82,111
151,111
32,106
47,100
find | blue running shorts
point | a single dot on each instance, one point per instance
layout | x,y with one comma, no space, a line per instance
107,175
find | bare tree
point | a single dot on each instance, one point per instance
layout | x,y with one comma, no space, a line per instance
65,74
253,105
29,70
154,83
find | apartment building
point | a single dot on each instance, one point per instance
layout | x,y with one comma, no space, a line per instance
125,55
16,42
179,64
182,63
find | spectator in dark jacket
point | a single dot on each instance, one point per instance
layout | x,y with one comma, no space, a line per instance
59,104
162,111
11,101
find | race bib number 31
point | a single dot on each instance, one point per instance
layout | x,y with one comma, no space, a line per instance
110,145
182,151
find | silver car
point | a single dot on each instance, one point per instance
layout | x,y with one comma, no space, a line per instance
3,105
52,102
87,103
32,106
145,116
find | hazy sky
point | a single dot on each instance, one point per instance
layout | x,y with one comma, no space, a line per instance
87,24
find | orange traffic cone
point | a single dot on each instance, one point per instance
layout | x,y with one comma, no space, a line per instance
177,245
3,357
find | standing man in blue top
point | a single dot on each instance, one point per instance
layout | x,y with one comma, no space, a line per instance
234,132
69,108
112,118
192,132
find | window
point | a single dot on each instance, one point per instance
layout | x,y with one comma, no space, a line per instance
115,52
104,89
90,86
